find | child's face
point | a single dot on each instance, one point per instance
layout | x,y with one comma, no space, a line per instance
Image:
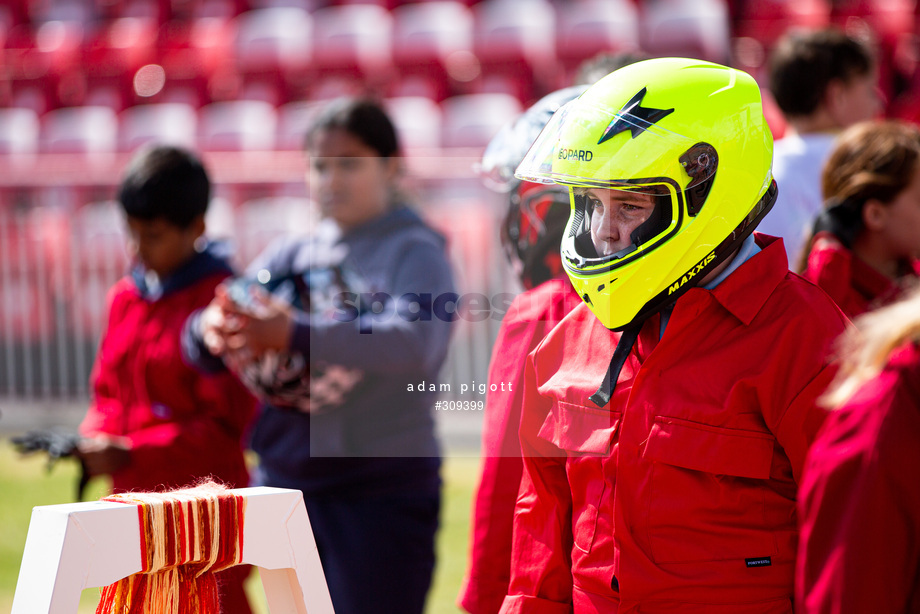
901,221
161,246
615,214
348,178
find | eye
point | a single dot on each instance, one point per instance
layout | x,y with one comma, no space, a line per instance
595,205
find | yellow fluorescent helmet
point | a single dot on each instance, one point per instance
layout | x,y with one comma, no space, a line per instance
689,132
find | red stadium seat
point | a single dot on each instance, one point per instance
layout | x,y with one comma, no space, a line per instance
354,39
275,39
237,125
78,11
426,38
305,5
767,20
518,39
294,119
589,27
687,28
425,86
19,132
219,221
336,86
14,12
44,63
192,53
272,47
115,54
417,120
169,123
472,120
223,9
90,135
889,19
89,130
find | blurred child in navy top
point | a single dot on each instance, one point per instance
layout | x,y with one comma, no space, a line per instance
340,325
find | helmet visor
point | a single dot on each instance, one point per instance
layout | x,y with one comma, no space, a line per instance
498,162
610,226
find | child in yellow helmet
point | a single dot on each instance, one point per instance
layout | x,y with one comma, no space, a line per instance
666,419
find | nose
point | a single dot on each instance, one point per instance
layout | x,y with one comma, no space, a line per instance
609,236
607,230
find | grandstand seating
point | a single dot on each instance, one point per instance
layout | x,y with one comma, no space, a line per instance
19,131
589,27
766,20
425,38
518,37
114,54
471,120
354,39
273,47
293,121
418,121
173,123
192,52
120,53
237,125
692,28
89,130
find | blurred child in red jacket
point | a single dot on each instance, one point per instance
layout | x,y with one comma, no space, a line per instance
155,422
666,419
531,234
866,242
859,503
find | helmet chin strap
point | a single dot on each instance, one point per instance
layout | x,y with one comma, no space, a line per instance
624,346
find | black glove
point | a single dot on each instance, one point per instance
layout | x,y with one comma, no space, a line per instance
57,444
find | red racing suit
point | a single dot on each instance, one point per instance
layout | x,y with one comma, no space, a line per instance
183,425
859,500
854,285
679,495
530,317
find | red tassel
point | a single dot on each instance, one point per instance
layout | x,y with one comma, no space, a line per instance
179,553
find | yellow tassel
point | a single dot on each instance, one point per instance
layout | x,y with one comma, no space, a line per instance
185,535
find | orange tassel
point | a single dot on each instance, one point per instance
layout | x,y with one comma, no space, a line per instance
186,535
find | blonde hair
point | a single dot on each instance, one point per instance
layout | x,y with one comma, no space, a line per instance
865,349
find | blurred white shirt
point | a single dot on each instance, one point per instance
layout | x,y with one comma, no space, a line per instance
797,164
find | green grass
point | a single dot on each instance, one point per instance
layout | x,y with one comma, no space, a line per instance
24,484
